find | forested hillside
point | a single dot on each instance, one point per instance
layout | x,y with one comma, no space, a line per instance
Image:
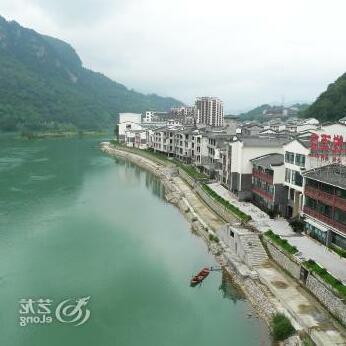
43,85
331,104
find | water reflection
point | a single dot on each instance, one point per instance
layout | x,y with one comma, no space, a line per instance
154,184
229,289
132,172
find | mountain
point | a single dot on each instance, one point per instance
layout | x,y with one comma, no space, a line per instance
43,85
331,104
254,114
266,112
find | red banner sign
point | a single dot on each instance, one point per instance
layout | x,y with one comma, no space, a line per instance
327,148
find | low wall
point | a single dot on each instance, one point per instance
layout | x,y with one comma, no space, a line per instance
334,304
315,285
186,177
283,260
215,206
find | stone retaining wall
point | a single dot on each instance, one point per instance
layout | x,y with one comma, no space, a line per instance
186,177
215,206
333,303
283,260
321,290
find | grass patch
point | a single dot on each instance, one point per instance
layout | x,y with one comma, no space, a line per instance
338,250
229,206
191,171
214,238
281,327
326,277
282,243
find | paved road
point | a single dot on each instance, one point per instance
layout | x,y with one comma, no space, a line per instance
306,245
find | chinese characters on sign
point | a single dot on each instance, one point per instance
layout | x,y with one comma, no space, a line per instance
326,147
42,311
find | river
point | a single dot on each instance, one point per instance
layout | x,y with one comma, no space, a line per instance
75,223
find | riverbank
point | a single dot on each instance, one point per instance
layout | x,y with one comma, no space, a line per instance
204,222
60,134
268,288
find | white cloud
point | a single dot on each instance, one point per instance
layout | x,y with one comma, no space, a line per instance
248,53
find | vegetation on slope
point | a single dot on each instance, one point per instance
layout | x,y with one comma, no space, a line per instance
331,104
43,85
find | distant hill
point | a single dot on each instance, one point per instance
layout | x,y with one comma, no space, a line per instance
43,85
266,112
254,114
331,104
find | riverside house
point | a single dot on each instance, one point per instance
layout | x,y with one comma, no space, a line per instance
324,208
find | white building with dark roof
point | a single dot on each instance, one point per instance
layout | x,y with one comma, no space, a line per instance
240,152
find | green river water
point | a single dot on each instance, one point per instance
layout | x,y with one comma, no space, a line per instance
75,223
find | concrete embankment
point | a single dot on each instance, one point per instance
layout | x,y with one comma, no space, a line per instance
265,287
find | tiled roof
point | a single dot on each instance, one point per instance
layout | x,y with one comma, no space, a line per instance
269,160
334,174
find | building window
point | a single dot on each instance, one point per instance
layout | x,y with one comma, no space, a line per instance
316,233
338,240
287,175
289,157
340,216
297,178
300,160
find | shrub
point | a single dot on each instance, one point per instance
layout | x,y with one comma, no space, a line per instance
297,224
341,252
214,238
282,243
281,327
326,277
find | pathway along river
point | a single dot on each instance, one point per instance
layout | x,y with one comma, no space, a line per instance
75,223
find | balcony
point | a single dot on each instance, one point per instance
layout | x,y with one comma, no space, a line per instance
325,197
262,193
327,220
263,176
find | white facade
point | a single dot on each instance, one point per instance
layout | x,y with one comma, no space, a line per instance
128,121
210,111
241,155
199,149
148,118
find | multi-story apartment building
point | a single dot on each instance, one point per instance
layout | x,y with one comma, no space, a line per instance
173,140
296,161
187,115
183,145
209,111
324,208
137,139
241,151
199,148
268,174
318,148
217,141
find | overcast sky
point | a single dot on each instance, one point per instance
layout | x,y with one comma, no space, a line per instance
247,52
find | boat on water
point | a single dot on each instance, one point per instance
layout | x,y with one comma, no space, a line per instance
197,279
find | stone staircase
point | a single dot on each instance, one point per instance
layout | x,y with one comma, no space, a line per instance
254,251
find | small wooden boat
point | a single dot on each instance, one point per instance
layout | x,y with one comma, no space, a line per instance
197,279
